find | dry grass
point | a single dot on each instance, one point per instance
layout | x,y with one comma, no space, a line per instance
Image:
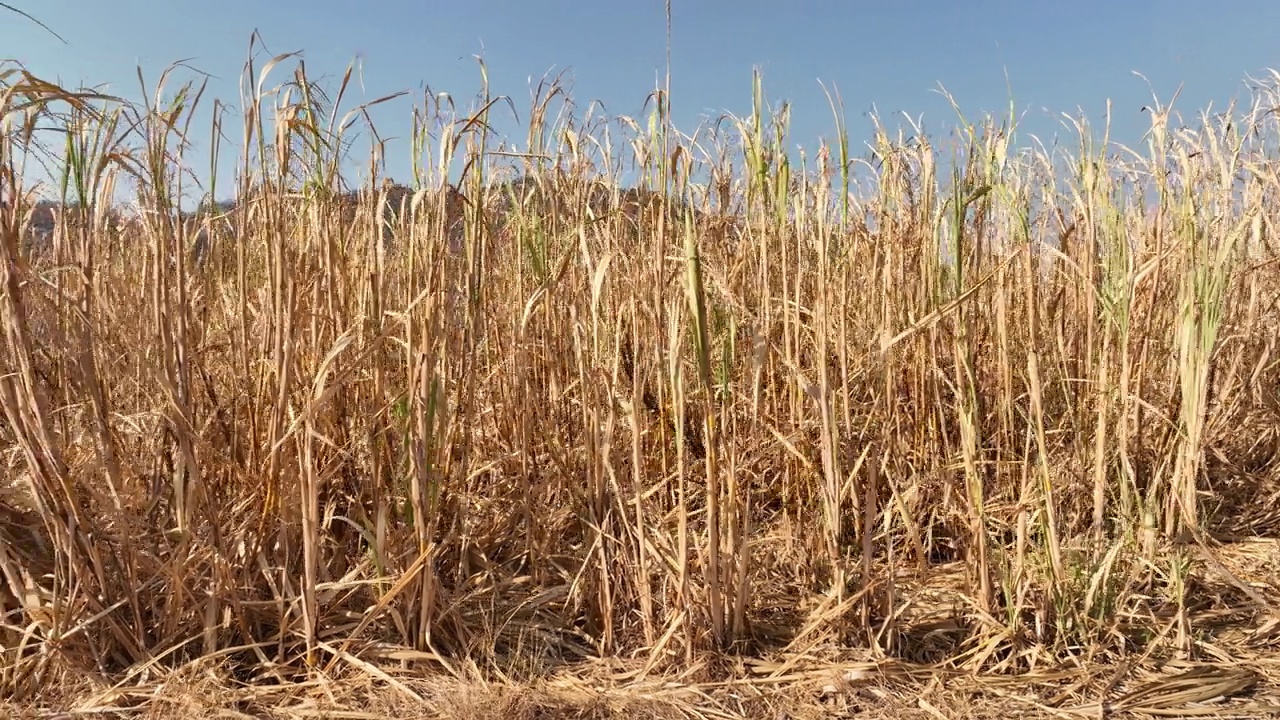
738,442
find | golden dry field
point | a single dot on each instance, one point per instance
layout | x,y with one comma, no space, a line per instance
634,422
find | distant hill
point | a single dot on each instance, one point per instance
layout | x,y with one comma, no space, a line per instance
503,201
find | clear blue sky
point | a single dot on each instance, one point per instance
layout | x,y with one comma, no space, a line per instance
893,54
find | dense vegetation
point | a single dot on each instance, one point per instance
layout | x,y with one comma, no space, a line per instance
1003,410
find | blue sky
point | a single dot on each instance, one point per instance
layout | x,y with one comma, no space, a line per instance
1052,57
